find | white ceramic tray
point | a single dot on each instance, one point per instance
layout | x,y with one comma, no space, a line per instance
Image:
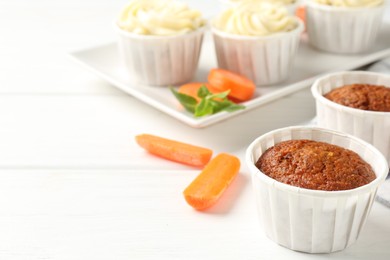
309,64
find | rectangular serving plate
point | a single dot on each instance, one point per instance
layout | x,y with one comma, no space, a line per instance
309,64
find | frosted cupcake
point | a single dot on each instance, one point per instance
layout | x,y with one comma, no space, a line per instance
160,41
291,5
343,26
258,40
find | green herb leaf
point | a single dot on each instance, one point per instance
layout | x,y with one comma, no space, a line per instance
233,107
209,104
225,105
188,102
203,92
219,105
221,95
203,108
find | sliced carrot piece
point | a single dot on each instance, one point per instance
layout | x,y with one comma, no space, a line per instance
208,186
240,87
174,150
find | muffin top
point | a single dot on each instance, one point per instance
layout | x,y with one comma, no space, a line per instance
351,3
255,18
156,17
362,96
315,165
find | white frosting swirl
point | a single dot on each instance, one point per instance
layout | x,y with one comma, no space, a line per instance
255,19
351,3
285,2
157,17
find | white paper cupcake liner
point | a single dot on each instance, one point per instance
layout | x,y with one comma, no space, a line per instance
341,29
160,60
265,60
313,221
370,126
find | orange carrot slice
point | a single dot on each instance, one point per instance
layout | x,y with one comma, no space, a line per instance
240,87
174,150
209,185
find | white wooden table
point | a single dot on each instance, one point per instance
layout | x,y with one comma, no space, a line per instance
73,182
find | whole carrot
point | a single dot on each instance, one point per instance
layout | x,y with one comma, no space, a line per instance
174,150
209,185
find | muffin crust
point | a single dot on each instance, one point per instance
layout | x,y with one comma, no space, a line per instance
362,96
315,165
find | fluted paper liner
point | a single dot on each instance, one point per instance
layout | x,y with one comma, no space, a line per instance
313,221
160,60
371,126
343,30
264,59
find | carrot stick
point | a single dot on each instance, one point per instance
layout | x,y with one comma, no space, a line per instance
240,87
174,150
209,185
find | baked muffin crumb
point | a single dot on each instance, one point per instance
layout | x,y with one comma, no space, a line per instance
315,165
362,96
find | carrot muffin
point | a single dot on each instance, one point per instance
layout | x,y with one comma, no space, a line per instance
362,96
315,165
